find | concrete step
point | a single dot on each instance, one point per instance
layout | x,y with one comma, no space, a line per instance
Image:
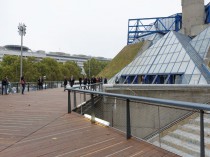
173,150
189,137
194,129
180,145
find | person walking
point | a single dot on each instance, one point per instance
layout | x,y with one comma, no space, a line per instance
65,82
40,83
71,81
23,83
4,85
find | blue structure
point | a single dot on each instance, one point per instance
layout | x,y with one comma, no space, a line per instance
207,10
162,25
137,28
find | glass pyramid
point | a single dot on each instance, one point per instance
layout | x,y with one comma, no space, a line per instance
173,59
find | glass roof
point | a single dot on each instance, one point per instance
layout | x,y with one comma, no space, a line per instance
174,53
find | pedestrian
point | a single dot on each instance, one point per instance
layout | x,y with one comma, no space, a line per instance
85,80
71,81
40,83
23,83
65,82
80,82
4,85
105,80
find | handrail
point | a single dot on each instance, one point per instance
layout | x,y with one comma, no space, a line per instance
189,105
154,101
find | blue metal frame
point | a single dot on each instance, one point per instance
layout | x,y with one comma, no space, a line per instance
207,10
137,29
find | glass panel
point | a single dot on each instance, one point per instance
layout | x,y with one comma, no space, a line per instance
142,69
162,69
195,79
183,66
146,69
157,59
152,69
152,60
198,45
169,68
180,57
162,50
176,67
196,71
167,49
173,48
174,57
162,59
186,58
190,68
178,48
168,58
157,68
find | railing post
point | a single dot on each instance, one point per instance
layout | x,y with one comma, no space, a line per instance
69,101
28,87
17,88
128,119
2,89
75,100
93,110
202,143
45,86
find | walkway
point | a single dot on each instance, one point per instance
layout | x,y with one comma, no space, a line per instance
37,124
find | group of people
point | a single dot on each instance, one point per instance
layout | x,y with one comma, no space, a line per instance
6,85
87,82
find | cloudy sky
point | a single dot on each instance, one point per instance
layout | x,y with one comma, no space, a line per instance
89,27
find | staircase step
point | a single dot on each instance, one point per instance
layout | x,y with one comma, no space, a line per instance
195,129
173,150
188,137
181,145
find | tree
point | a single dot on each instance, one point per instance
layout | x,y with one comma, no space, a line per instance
72,68
50,68
93,67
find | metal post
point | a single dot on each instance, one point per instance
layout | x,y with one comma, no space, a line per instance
128,119
93,110
69,101
17,88
75,103
45,86
202,143
28,87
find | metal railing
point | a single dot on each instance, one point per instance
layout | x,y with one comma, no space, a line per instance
14,87
134,110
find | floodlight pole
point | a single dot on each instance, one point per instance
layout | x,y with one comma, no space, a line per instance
21,57
22,32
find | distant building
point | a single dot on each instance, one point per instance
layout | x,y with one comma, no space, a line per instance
39,55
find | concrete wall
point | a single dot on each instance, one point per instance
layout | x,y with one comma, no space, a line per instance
193,14
146,118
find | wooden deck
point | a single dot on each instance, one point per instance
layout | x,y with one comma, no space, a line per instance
37,124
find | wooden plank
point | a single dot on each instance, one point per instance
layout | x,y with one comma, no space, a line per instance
37,124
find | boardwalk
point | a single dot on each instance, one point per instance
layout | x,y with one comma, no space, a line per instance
37,124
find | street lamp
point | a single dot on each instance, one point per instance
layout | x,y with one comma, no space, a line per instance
22,32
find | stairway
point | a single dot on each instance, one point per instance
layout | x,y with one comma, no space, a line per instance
185,140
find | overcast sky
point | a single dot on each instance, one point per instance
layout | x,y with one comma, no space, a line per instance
89,27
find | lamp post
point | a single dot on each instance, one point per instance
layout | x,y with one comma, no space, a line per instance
22,32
